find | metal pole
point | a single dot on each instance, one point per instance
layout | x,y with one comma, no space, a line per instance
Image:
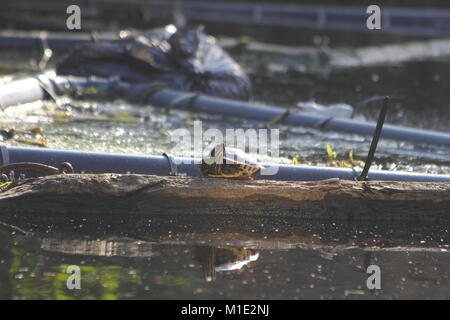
96,162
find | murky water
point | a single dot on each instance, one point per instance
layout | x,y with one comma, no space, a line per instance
211,257
239,257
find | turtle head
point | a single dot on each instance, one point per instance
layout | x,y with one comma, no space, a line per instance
65,167
218,153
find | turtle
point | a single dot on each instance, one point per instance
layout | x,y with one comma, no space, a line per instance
229,163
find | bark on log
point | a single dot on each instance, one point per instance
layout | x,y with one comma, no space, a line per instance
146,194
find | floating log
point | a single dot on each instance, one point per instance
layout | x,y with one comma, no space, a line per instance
131,194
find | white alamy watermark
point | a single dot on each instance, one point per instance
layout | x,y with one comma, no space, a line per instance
74,280
373,22
258,142
374,280
73,21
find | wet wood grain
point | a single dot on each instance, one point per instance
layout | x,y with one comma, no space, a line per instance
146,194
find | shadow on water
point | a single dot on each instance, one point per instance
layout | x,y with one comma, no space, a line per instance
204,257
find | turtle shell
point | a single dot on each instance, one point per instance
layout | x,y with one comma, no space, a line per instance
224,162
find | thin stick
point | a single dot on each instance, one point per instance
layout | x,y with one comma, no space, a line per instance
376,137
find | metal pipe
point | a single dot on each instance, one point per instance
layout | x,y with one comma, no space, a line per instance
407,21
21,91
24,91
96,162
61,41
179,100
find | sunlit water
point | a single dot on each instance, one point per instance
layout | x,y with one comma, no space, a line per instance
194,257
210,257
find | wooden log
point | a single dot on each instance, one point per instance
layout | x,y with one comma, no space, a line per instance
145,194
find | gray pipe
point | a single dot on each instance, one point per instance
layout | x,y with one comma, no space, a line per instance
173,99
28,90
95,162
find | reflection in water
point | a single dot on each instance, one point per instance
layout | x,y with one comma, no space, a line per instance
107,248
214,259
175,257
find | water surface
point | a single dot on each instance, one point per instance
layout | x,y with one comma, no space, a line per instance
214,257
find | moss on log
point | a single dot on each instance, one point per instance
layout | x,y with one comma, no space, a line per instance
146,194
